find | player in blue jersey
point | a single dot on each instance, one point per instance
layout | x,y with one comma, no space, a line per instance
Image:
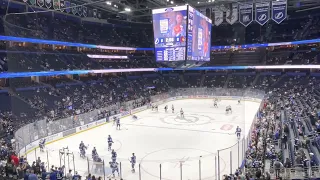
42,144
238,132
133,162
95,155
76,176
118,124
60,174
110,142
114,167
82,149
113,156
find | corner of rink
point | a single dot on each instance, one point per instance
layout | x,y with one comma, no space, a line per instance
159,137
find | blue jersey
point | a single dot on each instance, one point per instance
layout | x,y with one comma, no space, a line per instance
59,175
53,175
76,177
110,140
118,121
238,130
114,166
133,159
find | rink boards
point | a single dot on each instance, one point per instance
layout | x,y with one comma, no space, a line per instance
74,131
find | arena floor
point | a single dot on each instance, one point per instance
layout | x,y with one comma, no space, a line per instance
164,138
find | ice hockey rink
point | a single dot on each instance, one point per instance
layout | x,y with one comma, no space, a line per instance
164,138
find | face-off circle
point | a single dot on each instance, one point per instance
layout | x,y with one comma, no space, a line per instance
187,120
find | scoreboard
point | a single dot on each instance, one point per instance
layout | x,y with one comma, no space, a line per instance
181,33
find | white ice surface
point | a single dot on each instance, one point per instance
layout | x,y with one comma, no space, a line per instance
163,138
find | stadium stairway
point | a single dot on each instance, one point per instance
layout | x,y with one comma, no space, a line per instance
255,80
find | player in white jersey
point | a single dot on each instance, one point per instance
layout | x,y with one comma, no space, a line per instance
238,132
172,108
166,108
181,113
110,142
228,110
42,144
215,103
133,162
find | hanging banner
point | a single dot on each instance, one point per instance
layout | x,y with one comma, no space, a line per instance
25,1
95,13
56,4
232,14
40,3
32,2
74,8
262,13
85,10
246,14
279,11
218,16
48,3
80,10
67,5
62,5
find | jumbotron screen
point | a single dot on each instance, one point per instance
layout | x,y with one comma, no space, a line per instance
170,32
199,36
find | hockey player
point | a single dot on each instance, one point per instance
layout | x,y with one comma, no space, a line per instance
228,109
239,101
238,132
215,103
156,107
95,155
113,156
133,162
134,117
172,108
42,144
114,167
166,108
114,120
110,142
181,113
82,149
118,124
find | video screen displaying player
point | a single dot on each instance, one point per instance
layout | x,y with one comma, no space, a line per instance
200,29
169,26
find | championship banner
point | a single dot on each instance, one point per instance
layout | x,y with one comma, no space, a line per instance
279,11
48,3
262,13
246,14
74,8
40,3
80,10
32,2
232,14
62,5
67,5
218,16
95,13
56,4
85,10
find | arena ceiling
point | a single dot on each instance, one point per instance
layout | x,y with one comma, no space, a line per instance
140,10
